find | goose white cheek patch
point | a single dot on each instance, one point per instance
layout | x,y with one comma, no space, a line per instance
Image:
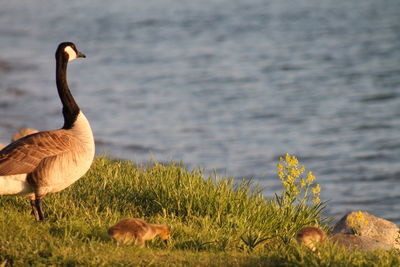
71,53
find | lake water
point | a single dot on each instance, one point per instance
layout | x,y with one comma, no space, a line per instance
226,84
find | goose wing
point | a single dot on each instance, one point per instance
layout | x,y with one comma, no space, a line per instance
24,155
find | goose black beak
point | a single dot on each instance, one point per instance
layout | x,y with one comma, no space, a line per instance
81,55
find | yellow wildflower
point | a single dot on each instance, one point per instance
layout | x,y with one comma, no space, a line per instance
316,190
295,182
310,177
287,158
291,161
357,220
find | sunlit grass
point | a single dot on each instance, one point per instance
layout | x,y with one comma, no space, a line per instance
214,220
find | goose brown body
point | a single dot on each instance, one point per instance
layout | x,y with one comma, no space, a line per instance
49,161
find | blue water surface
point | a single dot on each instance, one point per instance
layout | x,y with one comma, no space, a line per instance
225,84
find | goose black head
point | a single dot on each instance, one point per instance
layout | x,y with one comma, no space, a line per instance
69,51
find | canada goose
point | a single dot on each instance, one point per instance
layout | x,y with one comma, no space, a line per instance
310,236
138,231
22,133
50,161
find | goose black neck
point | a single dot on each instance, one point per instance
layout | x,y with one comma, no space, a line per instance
70,108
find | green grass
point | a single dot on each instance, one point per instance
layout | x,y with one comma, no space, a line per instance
215,221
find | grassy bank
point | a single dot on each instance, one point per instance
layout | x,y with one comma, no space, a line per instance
214,221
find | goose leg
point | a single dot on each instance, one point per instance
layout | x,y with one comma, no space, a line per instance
37,210
38,204
34,210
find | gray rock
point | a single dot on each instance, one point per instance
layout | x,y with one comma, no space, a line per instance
367,226
359,242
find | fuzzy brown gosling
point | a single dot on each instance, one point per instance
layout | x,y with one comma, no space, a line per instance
22,133
138,231
310,236
19,134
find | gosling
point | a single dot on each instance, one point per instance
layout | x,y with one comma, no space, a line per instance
19,134
22,133
138,231
310,236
